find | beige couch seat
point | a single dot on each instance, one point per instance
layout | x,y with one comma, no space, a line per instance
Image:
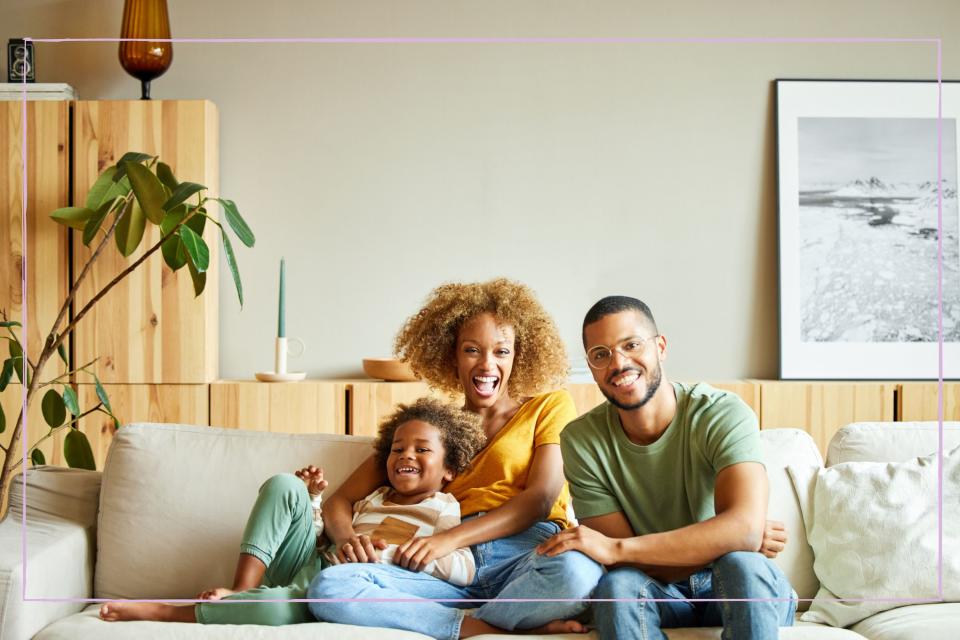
173,500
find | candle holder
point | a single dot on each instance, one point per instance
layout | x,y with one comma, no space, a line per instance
280,373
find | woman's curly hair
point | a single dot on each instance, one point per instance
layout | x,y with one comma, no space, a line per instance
428,340
460,431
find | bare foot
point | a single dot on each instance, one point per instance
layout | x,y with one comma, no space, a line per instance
472,627
560,626
117,611
215,594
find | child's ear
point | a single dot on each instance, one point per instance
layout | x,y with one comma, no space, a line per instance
448,474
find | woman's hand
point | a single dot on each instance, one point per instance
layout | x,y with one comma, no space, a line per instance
416,553
774,539
360,548
312,477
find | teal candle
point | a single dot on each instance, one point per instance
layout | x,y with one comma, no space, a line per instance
282,317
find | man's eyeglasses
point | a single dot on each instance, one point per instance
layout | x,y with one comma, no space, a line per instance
600,356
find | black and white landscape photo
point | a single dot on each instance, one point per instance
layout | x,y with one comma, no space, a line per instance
868,230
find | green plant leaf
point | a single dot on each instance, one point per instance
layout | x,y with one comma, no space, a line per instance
116,423
236,222
3,420
165,173
172,247
196,248
73,217
129,157
93,224
10,323
183,191
232,263
130,230
6,373
54,411
36,457
149,191
104,185
16,356
70,400
77,451
199,279
62,350
102,394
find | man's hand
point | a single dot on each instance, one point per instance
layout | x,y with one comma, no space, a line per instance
774,539
416,553
313,478
585,540
360,549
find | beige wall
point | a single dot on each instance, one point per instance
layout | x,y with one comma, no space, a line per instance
582,169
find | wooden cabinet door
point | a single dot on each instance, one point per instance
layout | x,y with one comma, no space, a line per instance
919,401
47,184
311,406
821,409
150,328
177,403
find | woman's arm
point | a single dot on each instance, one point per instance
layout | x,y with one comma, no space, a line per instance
544,483
338,513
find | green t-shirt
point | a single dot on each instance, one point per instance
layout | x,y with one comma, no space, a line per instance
667,484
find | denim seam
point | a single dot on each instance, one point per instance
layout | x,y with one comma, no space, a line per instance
643,610
457,624
725,612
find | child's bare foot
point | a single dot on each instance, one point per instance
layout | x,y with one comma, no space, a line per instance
117,611
215,594
560,626
313,478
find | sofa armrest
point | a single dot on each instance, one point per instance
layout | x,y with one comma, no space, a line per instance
61,515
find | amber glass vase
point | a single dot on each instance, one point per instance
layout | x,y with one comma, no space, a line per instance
145,59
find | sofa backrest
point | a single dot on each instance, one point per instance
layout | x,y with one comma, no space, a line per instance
890,441
783,447
175,498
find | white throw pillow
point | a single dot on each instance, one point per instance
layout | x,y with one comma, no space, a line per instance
873,529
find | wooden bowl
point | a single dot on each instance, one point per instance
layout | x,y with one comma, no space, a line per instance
388,369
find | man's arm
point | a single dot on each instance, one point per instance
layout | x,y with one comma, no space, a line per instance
740,502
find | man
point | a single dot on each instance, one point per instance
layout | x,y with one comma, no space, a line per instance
670,489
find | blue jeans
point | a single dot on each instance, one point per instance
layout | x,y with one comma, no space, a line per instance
735,575
508,568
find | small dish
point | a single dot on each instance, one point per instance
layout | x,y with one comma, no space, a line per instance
271,376
388,369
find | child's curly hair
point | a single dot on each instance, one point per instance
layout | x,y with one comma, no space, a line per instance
460,431
428,339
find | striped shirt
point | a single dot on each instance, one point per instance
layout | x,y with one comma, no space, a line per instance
377,517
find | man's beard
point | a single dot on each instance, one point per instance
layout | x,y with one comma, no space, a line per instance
652,387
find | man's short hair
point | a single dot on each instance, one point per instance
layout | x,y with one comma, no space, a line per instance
616,304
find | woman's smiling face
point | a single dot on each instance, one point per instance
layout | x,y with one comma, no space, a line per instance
485,352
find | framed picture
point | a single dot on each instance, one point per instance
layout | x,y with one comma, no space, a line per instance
867,200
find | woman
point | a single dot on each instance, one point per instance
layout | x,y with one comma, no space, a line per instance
496,345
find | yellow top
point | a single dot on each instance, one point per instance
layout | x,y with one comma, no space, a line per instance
499,471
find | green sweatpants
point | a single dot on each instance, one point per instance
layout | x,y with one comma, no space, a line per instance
280,534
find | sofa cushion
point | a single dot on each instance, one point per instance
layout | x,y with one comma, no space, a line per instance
889,441
175,499
86,626
782,447
873,529
939,621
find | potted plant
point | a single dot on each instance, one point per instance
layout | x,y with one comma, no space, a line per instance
137,191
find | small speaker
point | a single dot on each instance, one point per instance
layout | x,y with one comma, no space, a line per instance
20,61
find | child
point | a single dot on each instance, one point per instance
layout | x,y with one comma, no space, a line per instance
422,445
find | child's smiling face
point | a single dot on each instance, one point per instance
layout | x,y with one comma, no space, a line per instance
415,466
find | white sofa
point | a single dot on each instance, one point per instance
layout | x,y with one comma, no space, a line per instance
164,520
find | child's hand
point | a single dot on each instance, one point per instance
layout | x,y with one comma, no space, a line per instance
313,478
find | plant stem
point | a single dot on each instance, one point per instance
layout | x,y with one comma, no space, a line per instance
77,370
